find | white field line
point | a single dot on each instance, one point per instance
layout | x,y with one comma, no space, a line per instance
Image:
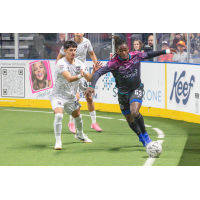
52,112
150,161
159,132
27,111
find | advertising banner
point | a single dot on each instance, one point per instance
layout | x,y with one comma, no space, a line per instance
41,78
13,78
153,78
183,88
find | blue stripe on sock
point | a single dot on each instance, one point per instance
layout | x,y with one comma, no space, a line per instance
136,100
126,112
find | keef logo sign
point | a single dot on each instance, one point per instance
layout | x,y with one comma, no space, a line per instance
179,88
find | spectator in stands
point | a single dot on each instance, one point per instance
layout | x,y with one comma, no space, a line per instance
181,56
137,45
165,57
39,76
60,43
39,45
192,42
171,39
149,46
197,44
177,38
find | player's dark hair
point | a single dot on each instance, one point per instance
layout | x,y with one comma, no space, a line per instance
117,42
69,44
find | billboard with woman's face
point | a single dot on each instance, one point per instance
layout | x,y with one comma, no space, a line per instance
40,76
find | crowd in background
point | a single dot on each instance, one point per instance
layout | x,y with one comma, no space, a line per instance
47,45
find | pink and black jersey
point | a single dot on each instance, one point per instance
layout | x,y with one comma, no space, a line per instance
126,73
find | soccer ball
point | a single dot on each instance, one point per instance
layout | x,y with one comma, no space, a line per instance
154,149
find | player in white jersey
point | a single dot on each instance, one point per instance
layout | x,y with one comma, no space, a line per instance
68,72
83,45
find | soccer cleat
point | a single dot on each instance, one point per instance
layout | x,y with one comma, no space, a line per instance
141,139
83,138
147,138
58,145
72,128
96,127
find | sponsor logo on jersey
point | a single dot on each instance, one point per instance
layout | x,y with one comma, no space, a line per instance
61,66
136,61
135,73
121,67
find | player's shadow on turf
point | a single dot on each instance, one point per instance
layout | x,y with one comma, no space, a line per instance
127,148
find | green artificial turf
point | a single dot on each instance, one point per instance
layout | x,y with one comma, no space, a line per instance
27,139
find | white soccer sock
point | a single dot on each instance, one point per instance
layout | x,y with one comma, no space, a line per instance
93,116
79,124
71,119
58,125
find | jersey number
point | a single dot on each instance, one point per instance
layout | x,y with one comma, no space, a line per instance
138,93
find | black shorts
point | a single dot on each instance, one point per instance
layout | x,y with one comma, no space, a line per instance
134,96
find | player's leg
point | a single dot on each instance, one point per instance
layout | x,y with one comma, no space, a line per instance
71,124
83,85
135,105
125,108
57,106
91,109
74,110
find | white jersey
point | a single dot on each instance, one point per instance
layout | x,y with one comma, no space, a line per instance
62,88
82,48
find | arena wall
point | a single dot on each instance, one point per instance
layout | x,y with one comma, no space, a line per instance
171,90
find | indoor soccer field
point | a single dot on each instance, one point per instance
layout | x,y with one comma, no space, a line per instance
27,139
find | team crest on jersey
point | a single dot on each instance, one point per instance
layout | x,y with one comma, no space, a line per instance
85,45
121,67
77,68
121,106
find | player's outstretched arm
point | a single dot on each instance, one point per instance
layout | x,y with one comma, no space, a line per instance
70,78
96,66
93,57
158,53
59,57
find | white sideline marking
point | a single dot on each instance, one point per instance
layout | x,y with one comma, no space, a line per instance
28,111
147,125
52,112
160,132
150,161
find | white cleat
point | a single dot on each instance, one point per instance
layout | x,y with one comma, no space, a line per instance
83,138
58,145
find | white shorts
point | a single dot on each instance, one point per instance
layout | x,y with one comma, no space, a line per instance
68,106
83,85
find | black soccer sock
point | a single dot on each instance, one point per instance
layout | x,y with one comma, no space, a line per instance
135,128
140,122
